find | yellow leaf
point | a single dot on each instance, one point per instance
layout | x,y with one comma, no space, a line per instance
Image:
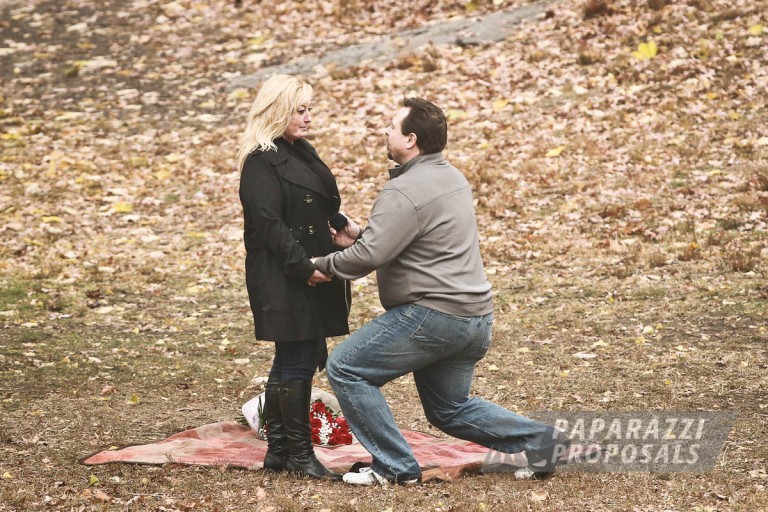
7,476
239,94
196,234
256,42
499,105
555,152
163,174
93,480
734,115
756,30
456,114
646,50
122,207
133,399
52,219
667,382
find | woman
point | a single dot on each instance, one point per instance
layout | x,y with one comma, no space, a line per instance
288,195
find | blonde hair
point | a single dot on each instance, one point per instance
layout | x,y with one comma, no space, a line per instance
271,113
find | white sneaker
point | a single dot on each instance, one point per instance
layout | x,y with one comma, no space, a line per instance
524,473
531,472
366,476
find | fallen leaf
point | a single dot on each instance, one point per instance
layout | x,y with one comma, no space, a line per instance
646,51
555,152
122,207
499,105
101,495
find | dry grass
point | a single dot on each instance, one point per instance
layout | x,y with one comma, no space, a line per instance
706,353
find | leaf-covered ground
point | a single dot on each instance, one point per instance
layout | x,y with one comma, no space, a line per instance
619,155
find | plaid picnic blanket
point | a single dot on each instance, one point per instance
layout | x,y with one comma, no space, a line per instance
233,444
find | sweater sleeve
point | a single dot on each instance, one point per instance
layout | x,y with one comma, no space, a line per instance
262,200
391,228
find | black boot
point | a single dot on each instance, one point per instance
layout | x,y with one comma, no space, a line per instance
277,452
294,403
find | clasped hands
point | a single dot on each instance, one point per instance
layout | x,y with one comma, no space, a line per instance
344,238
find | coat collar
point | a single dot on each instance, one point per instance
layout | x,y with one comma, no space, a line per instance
294,169
402,169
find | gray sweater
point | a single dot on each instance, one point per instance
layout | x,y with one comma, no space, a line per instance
422,239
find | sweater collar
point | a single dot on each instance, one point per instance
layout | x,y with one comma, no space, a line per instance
402,169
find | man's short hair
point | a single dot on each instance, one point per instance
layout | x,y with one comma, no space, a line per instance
428,122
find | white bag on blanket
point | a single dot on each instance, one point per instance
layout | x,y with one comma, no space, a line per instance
252,408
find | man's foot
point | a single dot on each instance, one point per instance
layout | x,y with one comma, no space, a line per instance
574,454
366,476
537,471
369,477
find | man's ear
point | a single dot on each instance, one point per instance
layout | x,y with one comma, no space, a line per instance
412,140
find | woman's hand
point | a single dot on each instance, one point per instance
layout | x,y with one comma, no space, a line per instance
347,236
317,277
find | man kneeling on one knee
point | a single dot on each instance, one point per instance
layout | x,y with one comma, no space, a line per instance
422,240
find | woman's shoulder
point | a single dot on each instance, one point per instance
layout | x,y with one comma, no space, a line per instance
262,157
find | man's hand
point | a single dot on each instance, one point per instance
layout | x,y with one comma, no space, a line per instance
347,236
317,277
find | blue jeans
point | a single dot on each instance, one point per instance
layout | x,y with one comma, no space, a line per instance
294,360
441,350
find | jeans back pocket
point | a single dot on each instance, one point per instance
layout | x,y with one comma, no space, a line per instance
440,331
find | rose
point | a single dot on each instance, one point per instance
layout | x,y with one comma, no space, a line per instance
328,429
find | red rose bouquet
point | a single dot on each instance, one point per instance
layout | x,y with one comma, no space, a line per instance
328,428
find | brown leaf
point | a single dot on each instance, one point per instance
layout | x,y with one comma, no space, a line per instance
107,390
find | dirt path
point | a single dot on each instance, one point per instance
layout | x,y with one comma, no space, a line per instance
464,32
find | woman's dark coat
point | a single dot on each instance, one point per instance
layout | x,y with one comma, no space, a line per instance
286,206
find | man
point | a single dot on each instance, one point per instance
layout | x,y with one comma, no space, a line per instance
422,239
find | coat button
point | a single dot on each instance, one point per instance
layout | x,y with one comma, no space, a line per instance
308,199
311,230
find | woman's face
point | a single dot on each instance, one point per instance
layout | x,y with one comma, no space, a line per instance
299,125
